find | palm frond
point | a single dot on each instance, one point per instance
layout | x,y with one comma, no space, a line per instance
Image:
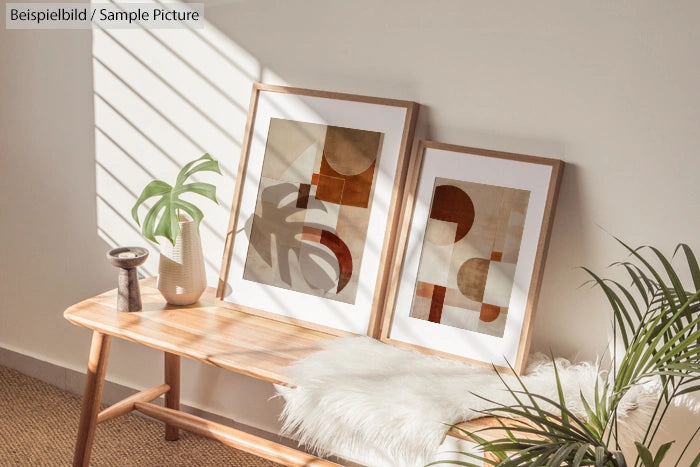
658,320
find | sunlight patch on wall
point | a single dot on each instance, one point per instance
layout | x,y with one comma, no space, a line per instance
162,98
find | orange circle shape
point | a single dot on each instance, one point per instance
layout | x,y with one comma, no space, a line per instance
350,151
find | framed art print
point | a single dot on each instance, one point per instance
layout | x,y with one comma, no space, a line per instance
315,207
470,257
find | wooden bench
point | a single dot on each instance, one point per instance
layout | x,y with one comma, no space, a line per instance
226,338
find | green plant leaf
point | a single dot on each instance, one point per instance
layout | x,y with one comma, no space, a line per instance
464,463
657,276
592,417
580,454
154,188
562,454
643,286
661,453
204,164
600,457
162,220
671,273
692,263
658,320
193,211
619,311
644,454
168,226
205,189
619,459
691,388
149,222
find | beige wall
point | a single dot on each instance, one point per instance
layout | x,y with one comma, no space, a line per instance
609,87
50,253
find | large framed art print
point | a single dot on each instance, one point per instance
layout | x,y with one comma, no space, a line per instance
315,208
471,252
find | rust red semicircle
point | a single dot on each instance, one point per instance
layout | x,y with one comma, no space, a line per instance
342,252
452,204
339,249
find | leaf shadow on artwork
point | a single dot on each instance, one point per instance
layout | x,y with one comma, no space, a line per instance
272,225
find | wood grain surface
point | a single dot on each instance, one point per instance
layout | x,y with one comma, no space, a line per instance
223,337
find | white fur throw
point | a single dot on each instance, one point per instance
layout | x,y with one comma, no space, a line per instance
377,404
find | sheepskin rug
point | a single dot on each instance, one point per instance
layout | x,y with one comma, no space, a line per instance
379,405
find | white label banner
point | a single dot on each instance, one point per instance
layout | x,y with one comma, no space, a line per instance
104,15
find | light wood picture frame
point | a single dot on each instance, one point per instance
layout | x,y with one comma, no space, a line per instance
315,208
470,255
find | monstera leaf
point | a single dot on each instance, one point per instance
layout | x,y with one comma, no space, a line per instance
166,211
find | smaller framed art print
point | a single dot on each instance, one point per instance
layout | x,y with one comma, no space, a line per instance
473,242
316,207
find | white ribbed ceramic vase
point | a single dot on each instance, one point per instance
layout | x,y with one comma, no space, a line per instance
181,276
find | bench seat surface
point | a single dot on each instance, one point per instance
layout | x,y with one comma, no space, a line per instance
223,337
219,336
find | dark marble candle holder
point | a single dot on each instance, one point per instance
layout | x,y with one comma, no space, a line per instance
127,259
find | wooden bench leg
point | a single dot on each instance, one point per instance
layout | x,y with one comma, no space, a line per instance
172,397
95,378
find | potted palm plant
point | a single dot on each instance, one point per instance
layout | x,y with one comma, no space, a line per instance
181,274
657,318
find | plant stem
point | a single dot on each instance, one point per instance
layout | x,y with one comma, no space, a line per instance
663,412
617,445
687,445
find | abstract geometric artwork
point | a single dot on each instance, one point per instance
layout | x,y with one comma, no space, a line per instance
312,209
316,207
470,256
470,250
